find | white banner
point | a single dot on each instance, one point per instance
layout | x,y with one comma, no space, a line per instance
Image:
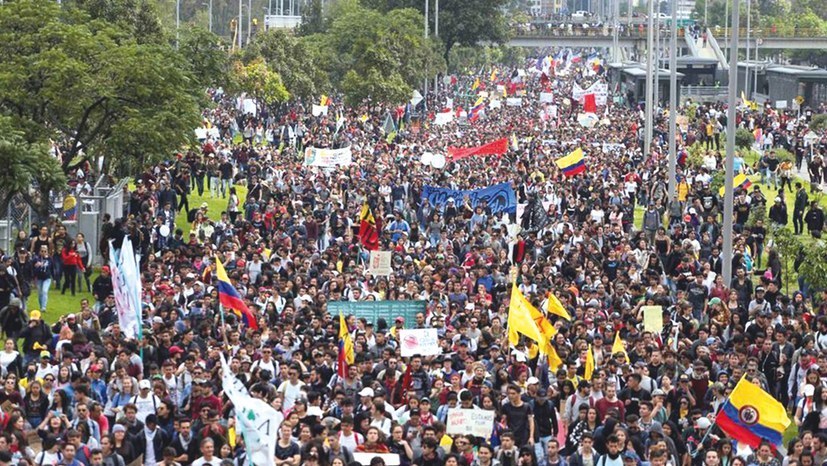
421,341
256,421
316,157
318,110
514,102
546,97
780,104
416,98
380,262
477,422
496,103
599,89
204,133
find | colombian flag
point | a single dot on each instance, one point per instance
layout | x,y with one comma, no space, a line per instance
740,181
477,108
229,297
572,164
346,356
476,84
325,101
752,415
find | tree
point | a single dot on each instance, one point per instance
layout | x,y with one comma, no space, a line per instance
375,55
260,82
137,18
208,61
298,64
91,88
313,19
25,163
461,22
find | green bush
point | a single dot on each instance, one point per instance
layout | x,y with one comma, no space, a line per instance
819,122
744,138
784,155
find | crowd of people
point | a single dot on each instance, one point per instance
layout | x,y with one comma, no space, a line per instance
78,393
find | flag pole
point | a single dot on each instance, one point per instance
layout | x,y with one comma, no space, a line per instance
715,419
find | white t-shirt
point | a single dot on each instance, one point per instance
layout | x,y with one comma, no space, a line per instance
291,393
146,406
350,442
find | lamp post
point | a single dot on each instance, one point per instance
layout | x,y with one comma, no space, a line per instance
650,56
729,195
673,98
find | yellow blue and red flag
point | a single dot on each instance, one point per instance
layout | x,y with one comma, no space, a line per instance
751,416
346,353
228,297
573,163
740,181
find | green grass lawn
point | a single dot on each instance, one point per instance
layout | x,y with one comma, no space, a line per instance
60,304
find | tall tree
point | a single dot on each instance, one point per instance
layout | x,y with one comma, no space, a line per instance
92,88
461,22
298,64
25,164
206,56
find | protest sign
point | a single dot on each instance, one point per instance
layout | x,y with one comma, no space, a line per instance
318,157
477,422
380,263
422,341
546,97
514,102
653,319
499,197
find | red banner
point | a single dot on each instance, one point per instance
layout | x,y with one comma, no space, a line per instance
498,147
589,103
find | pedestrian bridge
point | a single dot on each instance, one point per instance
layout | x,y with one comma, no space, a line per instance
582,35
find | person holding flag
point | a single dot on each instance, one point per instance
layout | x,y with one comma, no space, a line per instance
230,299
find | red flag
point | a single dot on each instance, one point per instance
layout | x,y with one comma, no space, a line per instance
498,147
368,234
589,105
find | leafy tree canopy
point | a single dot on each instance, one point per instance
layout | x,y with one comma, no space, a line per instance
298,64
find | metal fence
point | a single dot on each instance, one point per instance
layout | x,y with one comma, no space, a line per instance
86,217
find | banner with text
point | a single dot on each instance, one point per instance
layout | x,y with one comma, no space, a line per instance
373,310
599,89
317,157
380,263
499,197
477,422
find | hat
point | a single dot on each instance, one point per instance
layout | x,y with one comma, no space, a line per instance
400,320
157,320
450,199
70,317
315,411
703,423
631,456
809,390
542,392
45,354
759,288
532,381
105,268
367,391
95,368
520,357
777,199
173,350
119,428
204,205
144,384
414,412
658,392
34,315
714,301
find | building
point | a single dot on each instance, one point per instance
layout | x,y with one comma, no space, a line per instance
784,83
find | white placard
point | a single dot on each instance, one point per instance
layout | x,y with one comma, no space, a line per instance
380,263
599,89
496,103
421,341
477,422
444,118
546,97
319,110
780,104
514,102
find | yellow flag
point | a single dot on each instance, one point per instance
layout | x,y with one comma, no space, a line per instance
363,118
618,347
547,330
554,306
476,84
589,365
446,442
520,320
554,361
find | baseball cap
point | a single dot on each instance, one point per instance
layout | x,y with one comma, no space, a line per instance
367,391
34,315
144,384
532,381
45,354
173,350
703,423
119,428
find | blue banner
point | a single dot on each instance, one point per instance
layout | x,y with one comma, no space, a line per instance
499,198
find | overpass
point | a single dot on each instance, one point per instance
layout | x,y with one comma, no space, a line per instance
602,36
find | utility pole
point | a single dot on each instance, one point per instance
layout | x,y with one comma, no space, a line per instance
250,20
729,195
650,42
427,10
436,34
673,99
240,22
177,21
746,70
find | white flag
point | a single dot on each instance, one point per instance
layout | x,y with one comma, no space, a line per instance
126,285
416,98
318,110
444,118
256,421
